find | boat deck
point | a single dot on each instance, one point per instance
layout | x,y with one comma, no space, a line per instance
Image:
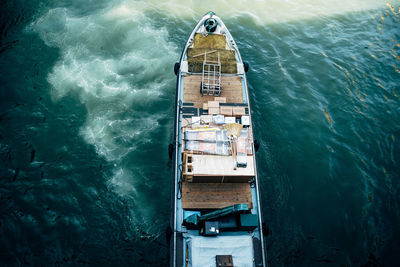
214,195
232,90
212,181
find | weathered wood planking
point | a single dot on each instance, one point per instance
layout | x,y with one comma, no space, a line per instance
231,89
214,195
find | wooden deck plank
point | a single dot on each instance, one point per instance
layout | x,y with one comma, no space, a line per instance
231,89
214,195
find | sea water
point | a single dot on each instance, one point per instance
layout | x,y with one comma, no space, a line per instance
86,116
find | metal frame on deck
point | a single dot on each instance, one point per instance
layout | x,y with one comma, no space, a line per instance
211,77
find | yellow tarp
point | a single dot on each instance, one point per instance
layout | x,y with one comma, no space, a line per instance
215,43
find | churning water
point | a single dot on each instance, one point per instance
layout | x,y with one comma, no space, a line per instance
86,115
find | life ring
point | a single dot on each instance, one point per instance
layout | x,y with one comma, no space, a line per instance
210,24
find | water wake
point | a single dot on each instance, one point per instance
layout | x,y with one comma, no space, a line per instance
119,66
265,12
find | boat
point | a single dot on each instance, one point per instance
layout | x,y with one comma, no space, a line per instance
215,198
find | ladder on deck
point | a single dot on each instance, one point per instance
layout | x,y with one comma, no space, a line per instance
211,79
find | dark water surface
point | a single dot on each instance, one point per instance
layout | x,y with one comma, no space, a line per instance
86,115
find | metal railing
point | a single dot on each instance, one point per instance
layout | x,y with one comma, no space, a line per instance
211,78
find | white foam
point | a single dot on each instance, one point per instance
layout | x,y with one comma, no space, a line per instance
123,183
114,60
262,12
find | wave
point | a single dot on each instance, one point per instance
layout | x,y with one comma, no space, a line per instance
262,12
119,66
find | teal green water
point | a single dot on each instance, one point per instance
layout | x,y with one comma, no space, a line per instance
86,116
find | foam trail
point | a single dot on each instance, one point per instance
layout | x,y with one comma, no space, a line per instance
263,12
115,61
